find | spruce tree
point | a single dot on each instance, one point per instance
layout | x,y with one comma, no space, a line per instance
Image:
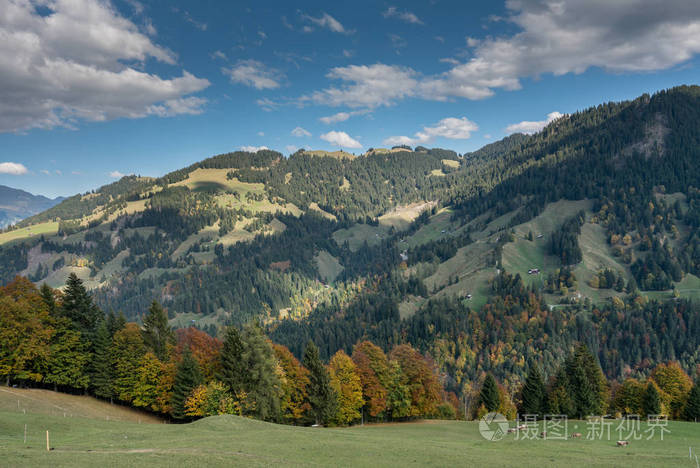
115,322
533,393
157,334
489,395
322,397
101,374
187,378
260,380
586,383
47,295
232,372
692,406
651,401
78,307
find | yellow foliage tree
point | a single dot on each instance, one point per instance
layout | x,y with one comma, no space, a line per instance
348,387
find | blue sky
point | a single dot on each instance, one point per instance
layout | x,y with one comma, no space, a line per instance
90,90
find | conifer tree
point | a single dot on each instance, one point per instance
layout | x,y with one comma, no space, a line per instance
47,294
321,395
232,370
157,334
489,395
101,375
692,406
533,393
115,322
260,380
187,378
651,401
78,307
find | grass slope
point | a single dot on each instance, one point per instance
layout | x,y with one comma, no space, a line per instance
230,440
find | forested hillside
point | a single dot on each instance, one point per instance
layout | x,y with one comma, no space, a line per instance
488,262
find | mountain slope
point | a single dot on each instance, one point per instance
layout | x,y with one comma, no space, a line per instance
16,205
527,238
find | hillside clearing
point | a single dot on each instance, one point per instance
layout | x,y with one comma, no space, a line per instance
36,230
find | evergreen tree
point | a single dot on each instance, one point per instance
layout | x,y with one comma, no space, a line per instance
533,393
101,375
49,297
321,395
651,401
489,395
187,378
157,334
261,382
115,322
232,371
78,307
587,386
692,406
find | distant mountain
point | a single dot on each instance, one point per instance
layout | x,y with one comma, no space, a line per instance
15,205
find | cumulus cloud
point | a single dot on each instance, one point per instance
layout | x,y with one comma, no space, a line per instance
342,116
555,37
300,132
81,61
326,21
529,127
451,127
12,168
341,139
254,74
253,149
569,36
117,175
407,16
366,86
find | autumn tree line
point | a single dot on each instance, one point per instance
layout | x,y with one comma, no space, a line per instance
579,389
62,340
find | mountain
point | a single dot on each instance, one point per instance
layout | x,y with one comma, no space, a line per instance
586,231
16,205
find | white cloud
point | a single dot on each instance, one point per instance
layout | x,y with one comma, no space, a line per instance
261,134
347,53
451,127
44,171
217,54
291,149
326,21
300,132
342,116
529,127
82,61
254,74
366,86
407,16
12,168
555,37
117,175
267,104
569,36
253,149
341,139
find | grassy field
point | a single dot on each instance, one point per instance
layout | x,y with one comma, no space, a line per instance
230,440
328,266
47,229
